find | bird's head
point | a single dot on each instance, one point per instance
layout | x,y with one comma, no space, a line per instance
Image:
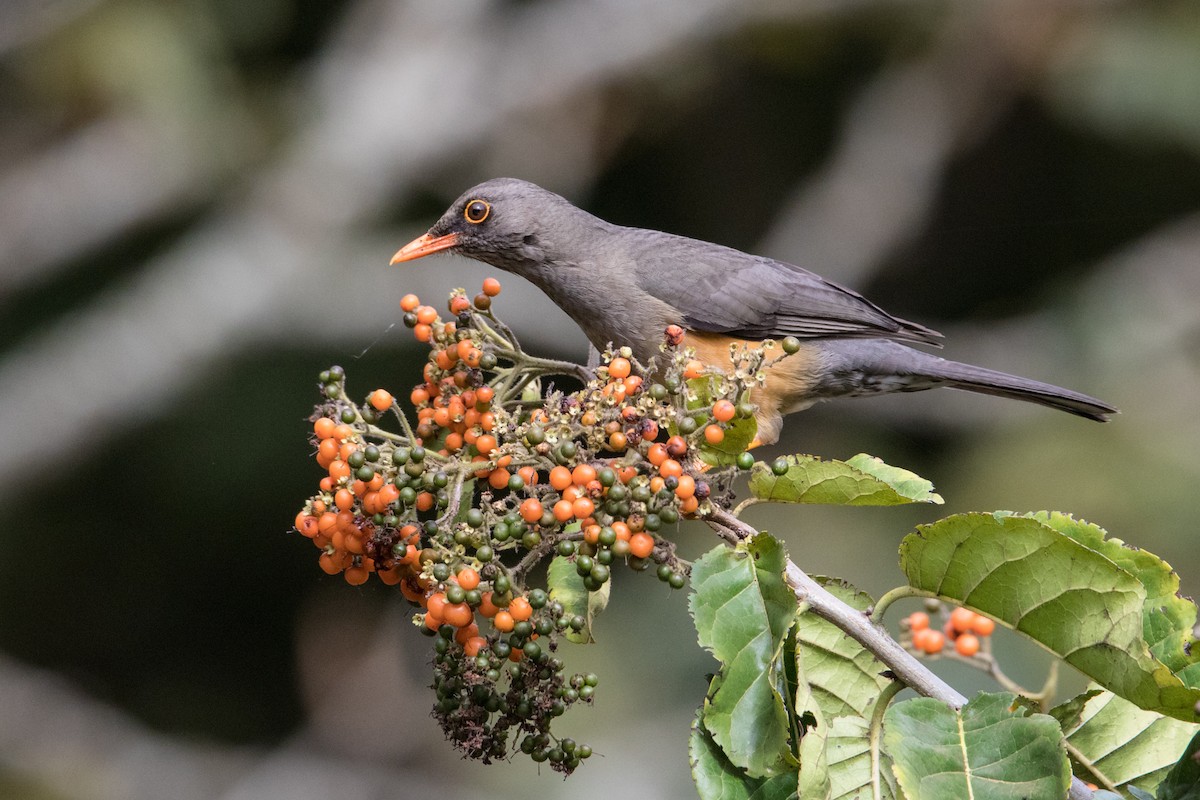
502,222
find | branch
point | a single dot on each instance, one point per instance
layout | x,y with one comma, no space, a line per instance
859,627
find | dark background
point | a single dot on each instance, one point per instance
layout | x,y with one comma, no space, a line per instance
198,200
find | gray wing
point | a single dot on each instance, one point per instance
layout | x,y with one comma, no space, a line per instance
722,290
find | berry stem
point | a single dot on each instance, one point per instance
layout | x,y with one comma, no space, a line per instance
883,603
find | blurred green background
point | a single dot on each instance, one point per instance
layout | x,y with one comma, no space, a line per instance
198,200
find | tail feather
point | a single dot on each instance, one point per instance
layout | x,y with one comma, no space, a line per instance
988,381
857,368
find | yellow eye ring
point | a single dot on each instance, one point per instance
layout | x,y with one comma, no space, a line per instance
476,211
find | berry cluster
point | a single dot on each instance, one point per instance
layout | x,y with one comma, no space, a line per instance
495,478
966,629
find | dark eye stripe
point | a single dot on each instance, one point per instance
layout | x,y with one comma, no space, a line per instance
476,211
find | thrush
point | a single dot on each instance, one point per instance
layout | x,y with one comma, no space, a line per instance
623,286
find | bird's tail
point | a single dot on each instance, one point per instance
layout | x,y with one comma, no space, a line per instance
883,366
989,381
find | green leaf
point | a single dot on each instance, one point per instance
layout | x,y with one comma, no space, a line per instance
1127,744
1073,600
739,432
717,778
743,610
840,676
1183,782
986,752
839,683
862,481
1168,620
566,586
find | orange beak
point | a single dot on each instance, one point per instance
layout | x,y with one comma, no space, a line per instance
425,245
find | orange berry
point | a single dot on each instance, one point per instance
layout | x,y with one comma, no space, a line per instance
459,304
713,434
519,609
380,400
723,411
356,576
966,645
529,475
617,441
484,394
327,451
419,396
560,478
531,510
632,384
686,487
339,469
930,641
435,603
641,545
409,302
583,474
983,626
622,530
426,315
689,505
485,444
563,510
657,454
422,333
324,427
486,607
918,621
583,507
961,619
591,534
503,621
619,368
458,614
491,287
498,478
670,468
307,524
344,500
467,578
330,564
472,646
693,370
425,501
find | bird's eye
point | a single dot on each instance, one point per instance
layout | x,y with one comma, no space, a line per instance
477,211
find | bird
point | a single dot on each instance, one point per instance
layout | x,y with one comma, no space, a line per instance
624,286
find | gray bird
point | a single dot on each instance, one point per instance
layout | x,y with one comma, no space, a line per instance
624,286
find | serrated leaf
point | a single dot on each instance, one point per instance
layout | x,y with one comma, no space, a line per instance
986,751
862,481
841,677
566,587
1183,782
838,684
743,610
849,762
1168,620
1127,744
716,778
1073,600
